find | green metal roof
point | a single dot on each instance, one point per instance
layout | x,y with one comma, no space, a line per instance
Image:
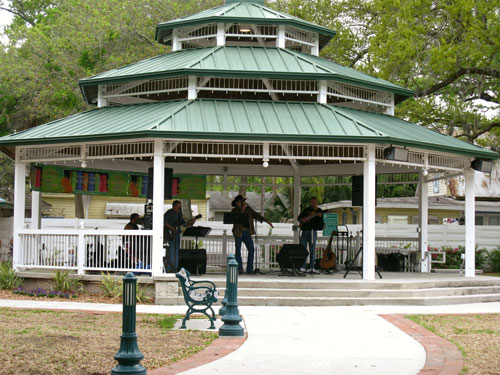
241,12
241,120
237,61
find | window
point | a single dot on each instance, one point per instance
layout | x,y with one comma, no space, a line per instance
479,220
344,218
435,184
494,220
354,217
397,219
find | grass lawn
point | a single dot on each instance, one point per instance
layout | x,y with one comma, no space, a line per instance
476,335
58,342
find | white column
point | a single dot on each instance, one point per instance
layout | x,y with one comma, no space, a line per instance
390,109
36,204
221,34
19,207
297,187
369,194
281,42
176,44
315,48
101,102
323,90
192,94
470,224
423,221
158,207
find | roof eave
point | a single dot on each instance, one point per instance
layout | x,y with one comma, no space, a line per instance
480,153
400,93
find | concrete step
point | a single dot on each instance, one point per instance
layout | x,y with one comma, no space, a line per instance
318,301
311,283
365,293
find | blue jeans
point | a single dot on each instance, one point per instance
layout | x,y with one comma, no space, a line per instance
309,237
173,254
247,239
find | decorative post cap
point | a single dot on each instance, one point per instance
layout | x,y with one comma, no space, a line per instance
245,1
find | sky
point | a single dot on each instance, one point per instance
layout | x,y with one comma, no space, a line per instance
5,19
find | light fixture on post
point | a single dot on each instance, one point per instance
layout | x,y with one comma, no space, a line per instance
265,156
396,154
245,28
482,165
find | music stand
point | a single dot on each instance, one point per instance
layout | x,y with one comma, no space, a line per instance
197,232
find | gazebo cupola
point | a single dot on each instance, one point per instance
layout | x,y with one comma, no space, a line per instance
243,23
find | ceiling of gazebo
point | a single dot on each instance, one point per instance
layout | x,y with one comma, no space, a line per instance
241,121
241,62
241,12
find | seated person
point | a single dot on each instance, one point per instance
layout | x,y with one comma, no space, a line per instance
131,224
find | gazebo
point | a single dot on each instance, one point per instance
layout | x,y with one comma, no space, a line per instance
243,92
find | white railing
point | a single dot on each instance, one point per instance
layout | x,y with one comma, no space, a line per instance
86,250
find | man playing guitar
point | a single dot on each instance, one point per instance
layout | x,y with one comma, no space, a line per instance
172,221
311,220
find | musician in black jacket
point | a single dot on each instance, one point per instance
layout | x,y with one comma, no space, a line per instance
172,221
311,220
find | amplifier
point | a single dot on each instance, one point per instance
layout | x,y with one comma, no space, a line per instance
194,260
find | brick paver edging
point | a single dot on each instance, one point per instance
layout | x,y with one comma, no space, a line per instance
216,350
442,357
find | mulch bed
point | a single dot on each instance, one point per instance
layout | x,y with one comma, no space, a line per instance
82,297
81,343
477,336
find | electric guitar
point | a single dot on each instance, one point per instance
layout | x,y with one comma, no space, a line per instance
309,218
169,234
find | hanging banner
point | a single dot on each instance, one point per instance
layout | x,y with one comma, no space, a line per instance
54,179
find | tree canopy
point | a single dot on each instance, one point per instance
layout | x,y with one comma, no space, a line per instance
447,51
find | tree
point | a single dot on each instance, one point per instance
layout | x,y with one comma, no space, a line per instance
447,51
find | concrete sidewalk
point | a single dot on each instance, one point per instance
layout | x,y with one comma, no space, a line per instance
309,340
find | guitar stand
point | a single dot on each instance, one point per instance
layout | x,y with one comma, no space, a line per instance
350,266
292,273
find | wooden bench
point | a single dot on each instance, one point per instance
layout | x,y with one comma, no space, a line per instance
198,295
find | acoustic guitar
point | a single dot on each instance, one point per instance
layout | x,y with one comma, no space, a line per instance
169,235
328,261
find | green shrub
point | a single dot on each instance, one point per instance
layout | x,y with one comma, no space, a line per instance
8,278
141,294
65,282
110,286
494,260
454,257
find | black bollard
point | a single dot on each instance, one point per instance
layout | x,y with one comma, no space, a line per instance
129,356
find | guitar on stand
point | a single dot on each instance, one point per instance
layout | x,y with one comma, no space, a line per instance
328,261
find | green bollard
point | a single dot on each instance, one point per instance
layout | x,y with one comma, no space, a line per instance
232,318
222,310
129,355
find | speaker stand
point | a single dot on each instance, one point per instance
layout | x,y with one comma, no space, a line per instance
350,266
292,273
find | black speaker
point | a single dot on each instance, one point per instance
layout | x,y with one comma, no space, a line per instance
169,172
195,261
292,256
357,191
